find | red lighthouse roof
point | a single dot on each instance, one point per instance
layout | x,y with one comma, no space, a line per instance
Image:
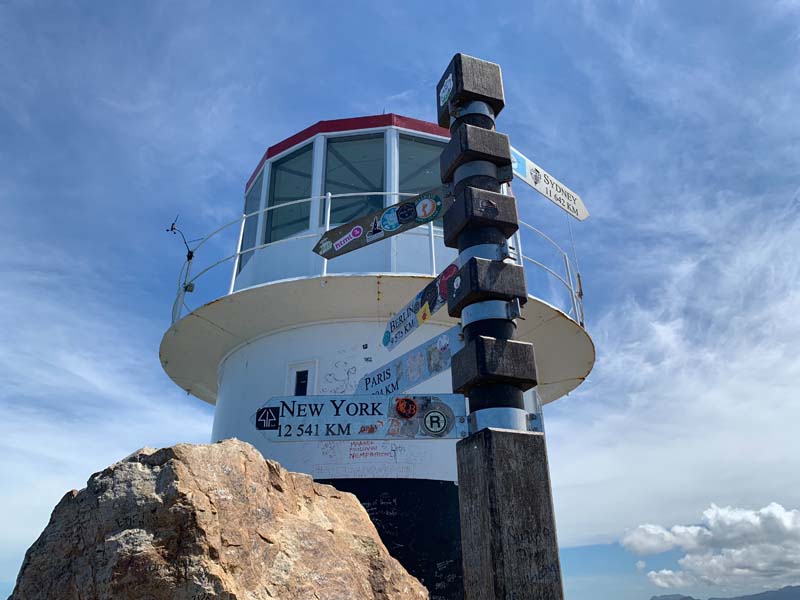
351,124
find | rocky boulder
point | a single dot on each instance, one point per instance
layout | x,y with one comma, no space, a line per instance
201,522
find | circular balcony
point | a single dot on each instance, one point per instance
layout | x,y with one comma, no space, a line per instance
221,306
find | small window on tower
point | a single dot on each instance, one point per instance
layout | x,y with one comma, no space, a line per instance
301,383
301,378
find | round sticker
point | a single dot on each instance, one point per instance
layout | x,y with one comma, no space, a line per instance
389,220
405,407
387,337
406,212
435,422
457,283
427,208
357,231
430,295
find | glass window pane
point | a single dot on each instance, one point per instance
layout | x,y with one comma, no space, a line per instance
252,201
354,164
290,179
301,383
419,164
253,198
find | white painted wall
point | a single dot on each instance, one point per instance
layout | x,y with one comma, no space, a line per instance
341,353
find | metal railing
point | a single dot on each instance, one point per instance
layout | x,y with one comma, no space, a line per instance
187,281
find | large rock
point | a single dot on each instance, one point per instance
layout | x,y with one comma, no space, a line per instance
205,522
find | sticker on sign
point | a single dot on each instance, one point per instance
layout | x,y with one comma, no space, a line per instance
415,366
391,417
547,185
421,308
383,223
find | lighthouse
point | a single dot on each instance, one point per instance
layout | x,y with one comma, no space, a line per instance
291,323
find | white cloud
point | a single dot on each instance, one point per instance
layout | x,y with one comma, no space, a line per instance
733,547
641,565
666,578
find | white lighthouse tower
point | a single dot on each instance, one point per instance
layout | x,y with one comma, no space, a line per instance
293,324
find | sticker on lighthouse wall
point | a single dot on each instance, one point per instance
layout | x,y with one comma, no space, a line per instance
319,418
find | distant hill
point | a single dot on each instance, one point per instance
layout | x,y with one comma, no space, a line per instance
791,592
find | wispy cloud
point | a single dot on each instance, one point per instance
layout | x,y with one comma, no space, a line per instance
81,388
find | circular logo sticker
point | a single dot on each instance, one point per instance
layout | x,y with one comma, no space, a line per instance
427,208
389,220
387,337
406,212
457,283
435,422
405,407
357,231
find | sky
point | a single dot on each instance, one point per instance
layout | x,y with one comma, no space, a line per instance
675,467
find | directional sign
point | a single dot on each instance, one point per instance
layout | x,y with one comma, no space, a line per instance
547,185
383,223
392,417
413,367
424,305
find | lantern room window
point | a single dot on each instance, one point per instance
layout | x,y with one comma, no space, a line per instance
354,165
419,164
290,180
252,202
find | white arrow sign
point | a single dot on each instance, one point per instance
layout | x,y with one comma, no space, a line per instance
547,185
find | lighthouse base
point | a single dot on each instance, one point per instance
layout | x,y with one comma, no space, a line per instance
418,522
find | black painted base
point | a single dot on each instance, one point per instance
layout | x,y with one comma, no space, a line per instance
418,522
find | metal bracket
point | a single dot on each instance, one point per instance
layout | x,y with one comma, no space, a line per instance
535,422
475,167
490,251
501,417
475,107
491,309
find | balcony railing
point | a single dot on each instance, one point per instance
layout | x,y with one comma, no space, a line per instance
560,273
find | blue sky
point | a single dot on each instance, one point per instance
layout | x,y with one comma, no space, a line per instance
677,122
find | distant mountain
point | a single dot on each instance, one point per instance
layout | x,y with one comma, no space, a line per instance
791,592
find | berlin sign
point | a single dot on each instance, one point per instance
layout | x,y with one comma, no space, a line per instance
383,223
413,367
425,304
547,185
391,417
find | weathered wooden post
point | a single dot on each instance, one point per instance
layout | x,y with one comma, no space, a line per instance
508,531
